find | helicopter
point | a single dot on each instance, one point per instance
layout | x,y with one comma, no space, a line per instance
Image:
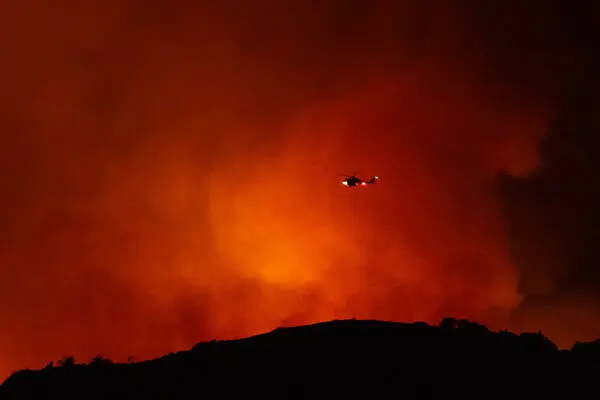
353,181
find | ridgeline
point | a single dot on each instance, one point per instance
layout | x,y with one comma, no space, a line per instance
337,359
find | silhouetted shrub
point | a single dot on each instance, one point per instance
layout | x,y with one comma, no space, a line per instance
448,323
99,361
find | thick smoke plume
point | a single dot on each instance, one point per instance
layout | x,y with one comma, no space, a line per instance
170,169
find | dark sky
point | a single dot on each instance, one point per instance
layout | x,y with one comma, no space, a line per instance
170,169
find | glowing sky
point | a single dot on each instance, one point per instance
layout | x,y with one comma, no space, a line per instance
170,173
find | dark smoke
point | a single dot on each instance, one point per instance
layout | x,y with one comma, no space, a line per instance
553,213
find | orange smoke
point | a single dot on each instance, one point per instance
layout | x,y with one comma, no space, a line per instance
172,175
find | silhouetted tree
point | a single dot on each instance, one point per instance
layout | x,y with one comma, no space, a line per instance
67,362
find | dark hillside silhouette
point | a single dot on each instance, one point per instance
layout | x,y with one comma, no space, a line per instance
337,359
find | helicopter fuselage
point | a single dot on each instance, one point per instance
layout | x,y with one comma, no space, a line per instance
351,182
